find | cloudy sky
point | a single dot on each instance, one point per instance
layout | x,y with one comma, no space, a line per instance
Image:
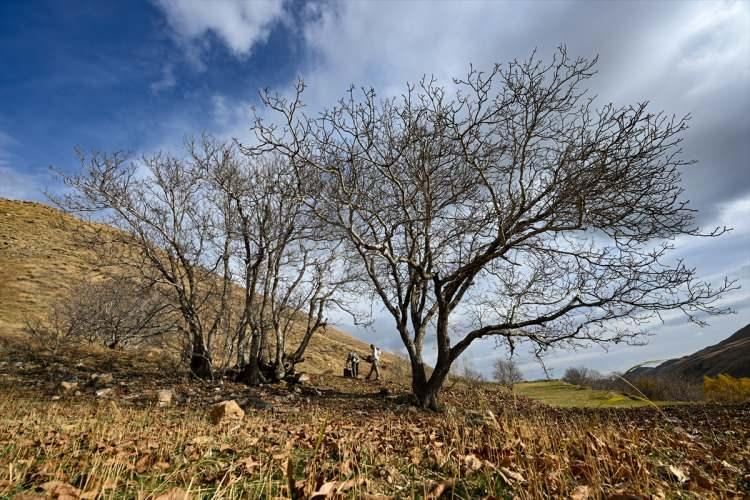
140,76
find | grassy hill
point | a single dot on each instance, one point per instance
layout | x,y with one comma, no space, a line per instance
731,356
564,395
41,256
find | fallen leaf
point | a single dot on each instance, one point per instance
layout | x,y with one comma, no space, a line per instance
143,463
201,440
512,475
331,488
672,473
58,489
581,492
174,494
162,466
471,462
248,463
440,488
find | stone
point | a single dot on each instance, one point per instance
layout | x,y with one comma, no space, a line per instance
225,411
104,393
102,379
164,397
68,386
303,378
672,473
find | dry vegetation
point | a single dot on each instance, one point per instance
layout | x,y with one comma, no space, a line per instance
335,434
413,201
331,435
42,256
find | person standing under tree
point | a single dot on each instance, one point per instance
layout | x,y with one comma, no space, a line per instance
352,362
375,362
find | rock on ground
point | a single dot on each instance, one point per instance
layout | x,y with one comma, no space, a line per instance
68,386
164,397
226,410
103,393
102,379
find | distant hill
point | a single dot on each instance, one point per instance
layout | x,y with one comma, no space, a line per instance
40,257
730,356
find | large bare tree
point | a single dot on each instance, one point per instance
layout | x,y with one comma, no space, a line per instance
287,269
504,205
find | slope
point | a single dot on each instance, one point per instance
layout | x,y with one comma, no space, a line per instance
730,356
40,256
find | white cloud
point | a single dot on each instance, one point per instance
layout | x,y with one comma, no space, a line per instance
166,82
17,185
686,58
232,116
240,24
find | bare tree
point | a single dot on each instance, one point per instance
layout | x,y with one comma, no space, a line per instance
577,375
230,243
167,235
63,325
506,372
114,312
288,269
505,206
123,312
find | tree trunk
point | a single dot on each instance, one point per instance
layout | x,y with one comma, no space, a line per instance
200,358
427,391
251,372
241,348
427,398
279,371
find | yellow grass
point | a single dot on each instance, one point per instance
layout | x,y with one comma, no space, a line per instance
565,395
41,256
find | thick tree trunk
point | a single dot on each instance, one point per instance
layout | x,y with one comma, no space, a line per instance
251,374
426,391
200,358
427,397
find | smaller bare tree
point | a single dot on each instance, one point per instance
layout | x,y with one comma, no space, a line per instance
506,372
577,375
114,312
124,312
62,326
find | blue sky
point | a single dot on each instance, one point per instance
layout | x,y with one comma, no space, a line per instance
141,75
112,75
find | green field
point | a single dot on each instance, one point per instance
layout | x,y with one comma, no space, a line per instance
559,393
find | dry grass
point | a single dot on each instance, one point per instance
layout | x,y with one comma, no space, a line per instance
345,434
41,256
332,435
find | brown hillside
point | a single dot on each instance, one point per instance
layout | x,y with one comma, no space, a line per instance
40,257
730,356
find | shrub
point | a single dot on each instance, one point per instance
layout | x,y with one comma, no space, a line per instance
506,372
657,388
579,375
664,388
113,312
726,389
